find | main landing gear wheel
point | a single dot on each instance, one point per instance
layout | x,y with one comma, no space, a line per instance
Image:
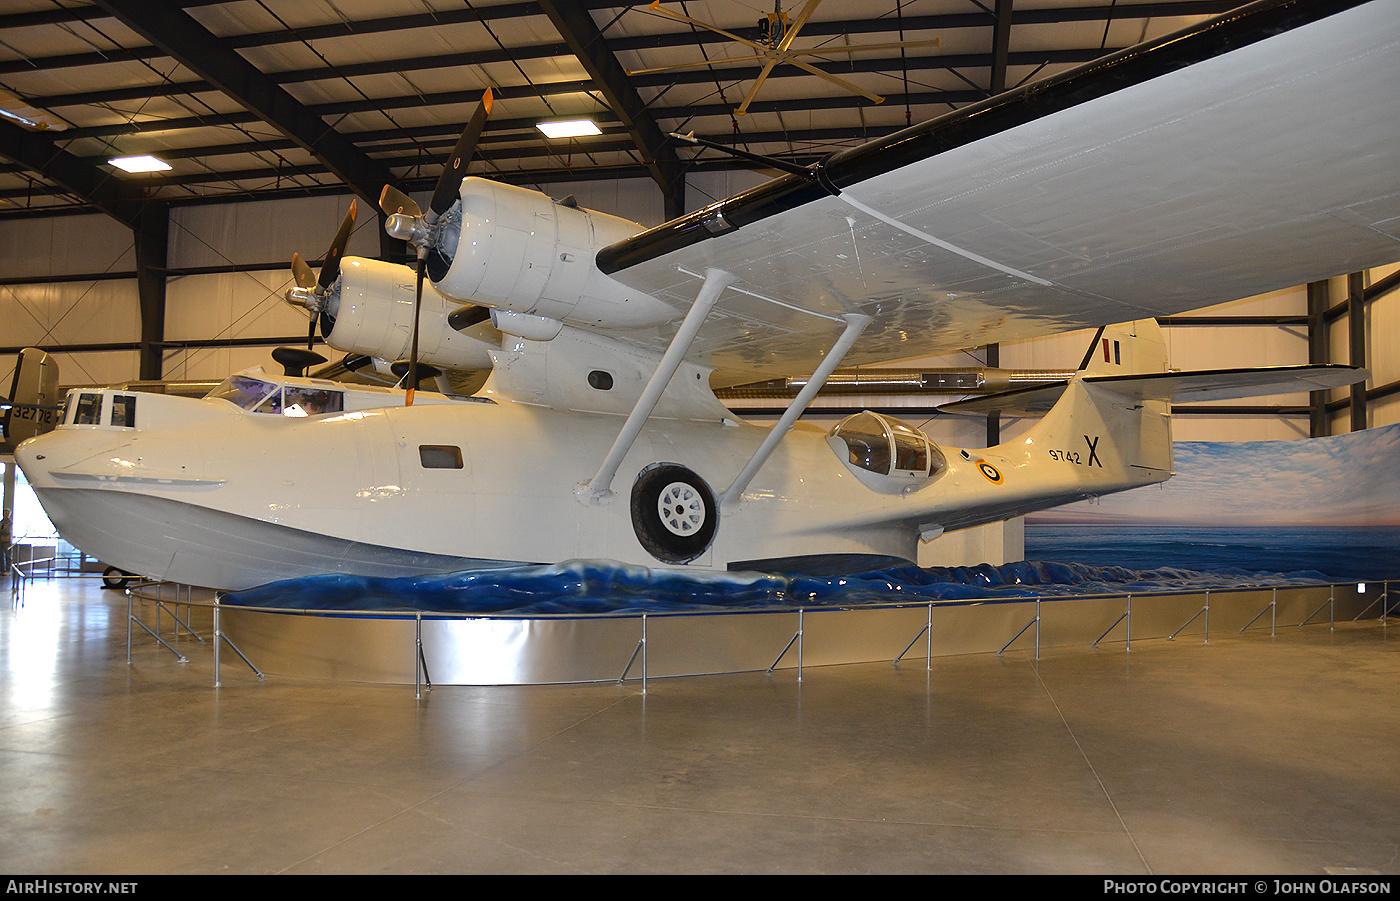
673,513
116,578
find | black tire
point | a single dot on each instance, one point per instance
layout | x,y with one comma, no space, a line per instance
673,513
116,578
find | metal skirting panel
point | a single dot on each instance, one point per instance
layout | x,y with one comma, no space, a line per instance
499,651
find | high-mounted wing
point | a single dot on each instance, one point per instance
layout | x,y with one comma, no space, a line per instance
1255,151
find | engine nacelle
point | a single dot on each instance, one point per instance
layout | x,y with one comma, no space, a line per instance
371,308
520,251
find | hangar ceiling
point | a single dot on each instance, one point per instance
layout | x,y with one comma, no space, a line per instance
280,98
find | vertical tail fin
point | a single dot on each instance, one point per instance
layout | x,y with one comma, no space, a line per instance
1129,348
33,396
1119,441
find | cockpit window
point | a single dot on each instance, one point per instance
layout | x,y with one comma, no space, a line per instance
243,391
866,442
89,409
886,446
269,397
910,448
124,411
273,404
298,400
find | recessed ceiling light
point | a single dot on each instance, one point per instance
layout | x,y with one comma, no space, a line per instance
572,128
145,163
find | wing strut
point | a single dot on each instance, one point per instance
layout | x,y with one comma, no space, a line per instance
855,324
715,282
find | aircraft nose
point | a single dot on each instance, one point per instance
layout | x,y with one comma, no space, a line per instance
42,455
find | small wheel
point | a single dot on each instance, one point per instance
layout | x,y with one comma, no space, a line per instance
673,513
115,578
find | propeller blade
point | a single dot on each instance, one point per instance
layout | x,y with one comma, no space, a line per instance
301,272
392,200
311,332
448,183
413,346
330,269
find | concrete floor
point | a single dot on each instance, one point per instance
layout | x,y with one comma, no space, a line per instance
1253,755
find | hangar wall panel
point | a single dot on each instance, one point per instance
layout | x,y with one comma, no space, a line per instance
86,312
705,188
266,232
225,306
637,199
65,245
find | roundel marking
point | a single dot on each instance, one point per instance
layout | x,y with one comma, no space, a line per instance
991,472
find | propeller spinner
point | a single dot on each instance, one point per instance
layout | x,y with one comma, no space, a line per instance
311,290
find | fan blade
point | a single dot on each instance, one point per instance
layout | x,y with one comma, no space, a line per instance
302,273
451,179
656,7
392,200
797,24
330,269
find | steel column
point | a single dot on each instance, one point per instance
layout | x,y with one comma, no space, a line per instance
1356,344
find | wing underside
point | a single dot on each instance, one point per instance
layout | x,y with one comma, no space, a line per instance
1253,153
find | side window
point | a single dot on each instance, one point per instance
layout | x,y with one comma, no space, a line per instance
89,409
910,450
124,411
440,456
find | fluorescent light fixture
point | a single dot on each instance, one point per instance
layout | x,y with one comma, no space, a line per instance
145,163
571,128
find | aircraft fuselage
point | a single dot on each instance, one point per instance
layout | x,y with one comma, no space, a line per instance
205,492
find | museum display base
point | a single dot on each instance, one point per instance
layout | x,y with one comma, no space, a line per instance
541,650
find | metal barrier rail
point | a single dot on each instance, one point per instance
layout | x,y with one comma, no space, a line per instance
156,592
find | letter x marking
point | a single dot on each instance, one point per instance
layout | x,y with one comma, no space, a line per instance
1094,452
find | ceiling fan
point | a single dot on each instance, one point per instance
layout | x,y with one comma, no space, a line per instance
778,31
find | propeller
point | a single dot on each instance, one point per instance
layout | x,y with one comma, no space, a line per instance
312,289
407,222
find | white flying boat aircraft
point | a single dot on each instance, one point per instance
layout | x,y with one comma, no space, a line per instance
1252,152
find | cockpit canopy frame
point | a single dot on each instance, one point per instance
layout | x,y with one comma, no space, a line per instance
887,454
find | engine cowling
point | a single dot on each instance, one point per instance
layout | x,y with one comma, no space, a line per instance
519,251
370,310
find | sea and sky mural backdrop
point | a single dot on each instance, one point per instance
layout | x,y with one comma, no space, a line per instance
1327,505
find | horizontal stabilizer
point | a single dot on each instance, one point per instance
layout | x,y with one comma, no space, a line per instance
1035,401
1192,386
